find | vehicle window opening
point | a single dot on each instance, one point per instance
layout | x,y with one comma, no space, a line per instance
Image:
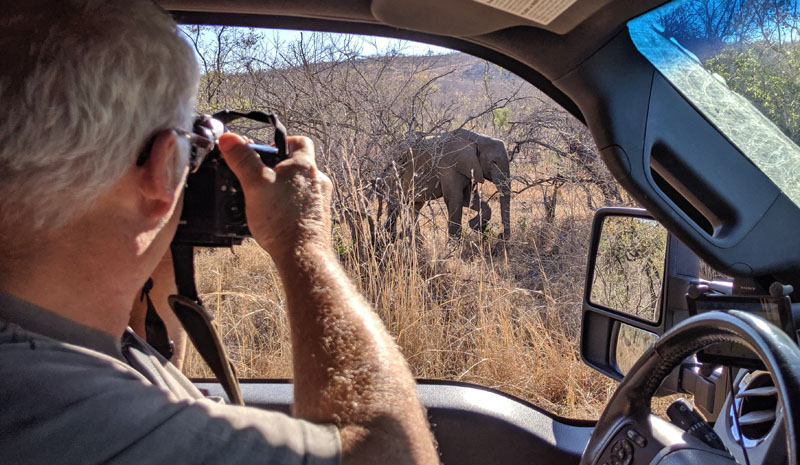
485,308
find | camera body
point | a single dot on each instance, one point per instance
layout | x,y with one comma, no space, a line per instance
213,205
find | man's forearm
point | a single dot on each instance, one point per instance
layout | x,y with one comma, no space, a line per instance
347,368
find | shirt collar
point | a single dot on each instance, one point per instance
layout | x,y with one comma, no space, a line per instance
37,320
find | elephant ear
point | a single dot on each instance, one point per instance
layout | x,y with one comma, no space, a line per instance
469,165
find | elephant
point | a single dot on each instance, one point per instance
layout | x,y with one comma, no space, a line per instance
450,166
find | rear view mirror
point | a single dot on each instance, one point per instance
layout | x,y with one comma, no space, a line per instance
628,267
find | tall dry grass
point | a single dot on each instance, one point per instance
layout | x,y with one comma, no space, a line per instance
505,315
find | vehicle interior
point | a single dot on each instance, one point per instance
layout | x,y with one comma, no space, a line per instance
715,198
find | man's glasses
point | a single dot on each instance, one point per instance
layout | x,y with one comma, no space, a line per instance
201,145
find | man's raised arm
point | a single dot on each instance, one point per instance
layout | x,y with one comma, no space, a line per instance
347,369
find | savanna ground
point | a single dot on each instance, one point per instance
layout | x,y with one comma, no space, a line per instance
500,314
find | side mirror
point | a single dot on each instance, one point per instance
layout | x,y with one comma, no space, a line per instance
628,269
637,275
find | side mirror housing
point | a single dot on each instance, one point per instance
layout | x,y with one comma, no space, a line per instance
637,276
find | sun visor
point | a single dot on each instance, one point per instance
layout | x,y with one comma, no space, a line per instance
465,18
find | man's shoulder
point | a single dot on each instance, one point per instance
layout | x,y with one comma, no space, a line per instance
93,408
53,389
26,352
37,367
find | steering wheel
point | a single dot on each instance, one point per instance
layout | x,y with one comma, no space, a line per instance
627,427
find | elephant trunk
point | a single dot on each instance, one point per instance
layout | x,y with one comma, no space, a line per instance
505,213
502,180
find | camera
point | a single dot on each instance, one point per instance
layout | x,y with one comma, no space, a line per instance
213,206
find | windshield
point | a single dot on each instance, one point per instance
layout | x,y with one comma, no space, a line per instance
737,62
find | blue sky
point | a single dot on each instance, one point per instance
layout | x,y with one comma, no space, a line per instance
372,44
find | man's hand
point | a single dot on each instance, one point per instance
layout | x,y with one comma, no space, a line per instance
287,207
347,369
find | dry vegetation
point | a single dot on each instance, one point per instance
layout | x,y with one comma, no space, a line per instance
502,315
505,315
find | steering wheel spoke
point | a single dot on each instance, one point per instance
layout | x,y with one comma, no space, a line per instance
650,441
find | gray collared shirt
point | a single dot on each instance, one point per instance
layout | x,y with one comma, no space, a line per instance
69,395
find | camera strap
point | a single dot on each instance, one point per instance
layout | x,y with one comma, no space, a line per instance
226,116
199,324
188,307
155,330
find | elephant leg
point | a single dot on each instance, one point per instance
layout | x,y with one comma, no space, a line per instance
479,222
391,222
455,191
417,208
454,212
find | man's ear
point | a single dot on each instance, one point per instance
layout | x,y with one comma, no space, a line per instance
158,178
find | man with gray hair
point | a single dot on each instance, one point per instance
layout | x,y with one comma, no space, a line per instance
85,86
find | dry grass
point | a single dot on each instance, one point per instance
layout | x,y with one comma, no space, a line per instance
502,315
